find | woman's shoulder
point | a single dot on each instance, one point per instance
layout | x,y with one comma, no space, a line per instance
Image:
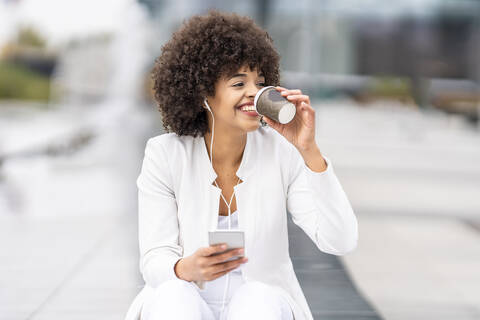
266,139
169,141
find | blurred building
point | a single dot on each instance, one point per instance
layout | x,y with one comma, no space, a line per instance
331,48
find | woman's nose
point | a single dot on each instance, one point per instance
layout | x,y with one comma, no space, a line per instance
252,90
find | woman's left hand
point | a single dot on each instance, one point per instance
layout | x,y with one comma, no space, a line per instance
301,130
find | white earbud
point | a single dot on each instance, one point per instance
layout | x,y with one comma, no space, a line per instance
206,105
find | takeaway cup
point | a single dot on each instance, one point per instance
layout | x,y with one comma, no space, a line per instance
269,102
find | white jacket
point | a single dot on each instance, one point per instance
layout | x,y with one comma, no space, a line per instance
178,205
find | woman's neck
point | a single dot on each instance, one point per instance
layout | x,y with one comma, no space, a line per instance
227,148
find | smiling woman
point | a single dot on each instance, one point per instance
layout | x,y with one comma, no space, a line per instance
205,83
209,53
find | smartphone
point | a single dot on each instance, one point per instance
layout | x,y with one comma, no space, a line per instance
233,238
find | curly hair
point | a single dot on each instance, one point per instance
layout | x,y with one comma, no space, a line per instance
202,51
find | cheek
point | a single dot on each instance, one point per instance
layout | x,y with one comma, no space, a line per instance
226,111
230,102
226,101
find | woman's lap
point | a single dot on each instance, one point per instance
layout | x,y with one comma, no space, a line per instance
176,299
180,299
257,300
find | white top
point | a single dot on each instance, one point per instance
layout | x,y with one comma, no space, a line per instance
214,289
223,221
178,205
223,224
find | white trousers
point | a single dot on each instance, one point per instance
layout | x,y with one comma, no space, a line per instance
180,299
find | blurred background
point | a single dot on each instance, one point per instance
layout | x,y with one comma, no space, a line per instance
395,86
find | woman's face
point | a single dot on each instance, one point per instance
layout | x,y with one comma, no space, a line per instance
230,93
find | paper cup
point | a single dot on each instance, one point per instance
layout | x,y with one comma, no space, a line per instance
269,102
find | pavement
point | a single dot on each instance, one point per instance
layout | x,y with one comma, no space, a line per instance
67,267
412,179
414,182
414,267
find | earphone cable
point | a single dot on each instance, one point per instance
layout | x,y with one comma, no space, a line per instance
227,204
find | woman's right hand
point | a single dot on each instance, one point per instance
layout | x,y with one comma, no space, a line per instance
202,266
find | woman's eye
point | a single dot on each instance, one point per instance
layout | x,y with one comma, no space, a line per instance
240,84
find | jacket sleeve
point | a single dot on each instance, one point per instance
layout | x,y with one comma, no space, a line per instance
320,207
157,218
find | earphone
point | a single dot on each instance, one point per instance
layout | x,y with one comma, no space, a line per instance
228,205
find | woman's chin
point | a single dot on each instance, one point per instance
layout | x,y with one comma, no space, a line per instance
254,126
250,123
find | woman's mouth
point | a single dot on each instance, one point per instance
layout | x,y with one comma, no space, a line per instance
248,109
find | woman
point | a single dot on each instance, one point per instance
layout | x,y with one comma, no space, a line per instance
204,80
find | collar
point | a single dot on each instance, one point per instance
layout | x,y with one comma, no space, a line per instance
243,171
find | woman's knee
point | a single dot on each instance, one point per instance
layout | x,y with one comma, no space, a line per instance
168,298
174,288
257,300
255,289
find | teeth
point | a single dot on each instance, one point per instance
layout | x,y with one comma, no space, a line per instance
248,108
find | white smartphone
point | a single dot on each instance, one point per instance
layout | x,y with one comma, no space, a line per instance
233,238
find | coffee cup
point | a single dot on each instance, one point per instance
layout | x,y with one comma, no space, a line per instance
269,102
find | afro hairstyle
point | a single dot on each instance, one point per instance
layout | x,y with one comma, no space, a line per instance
203,50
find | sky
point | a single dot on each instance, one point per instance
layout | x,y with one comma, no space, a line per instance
60,20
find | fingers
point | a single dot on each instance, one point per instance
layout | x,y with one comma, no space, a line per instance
301,101
294,95
227,265
286,92
217,248
299,97
221,273
225,256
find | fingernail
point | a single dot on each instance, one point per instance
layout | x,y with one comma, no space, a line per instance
284,92
224,246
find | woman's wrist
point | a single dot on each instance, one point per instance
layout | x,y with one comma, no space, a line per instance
179,270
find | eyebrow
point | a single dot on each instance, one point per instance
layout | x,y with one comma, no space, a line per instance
244,75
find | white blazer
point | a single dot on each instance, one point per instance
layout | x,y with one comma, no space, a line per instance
178,205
